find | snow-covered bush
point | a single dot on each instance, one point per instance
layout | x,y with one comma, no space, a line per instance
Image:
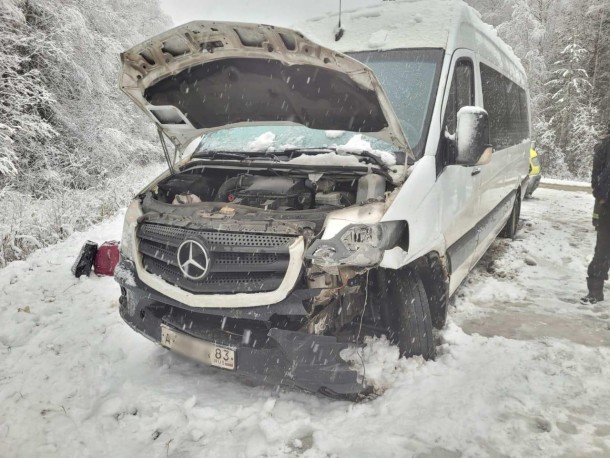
66,131
28,222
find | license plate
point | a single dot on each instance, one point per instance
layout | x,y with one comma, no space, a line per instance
200,350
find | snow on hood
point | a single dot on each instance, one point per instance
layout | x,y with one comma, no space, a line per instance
206,76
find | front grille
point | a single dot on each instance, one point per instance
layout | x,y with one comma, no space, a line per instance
177,235
239,263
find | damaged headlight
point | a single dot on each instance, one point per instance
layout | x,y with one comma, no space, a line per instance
357,245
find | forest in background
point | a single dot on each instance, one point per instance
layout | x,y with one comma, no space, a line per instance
72,146
565,48
73,149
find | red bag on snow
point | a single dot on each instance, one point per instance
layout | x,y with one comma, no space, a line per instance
106,258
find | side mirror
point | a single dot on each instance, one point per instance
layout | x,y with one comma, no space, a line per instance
472,137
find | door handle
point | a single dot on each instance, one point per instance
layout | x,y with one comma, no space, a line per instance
476,171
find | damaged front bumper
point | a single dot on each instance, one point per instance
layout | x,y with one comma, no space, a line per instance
264,351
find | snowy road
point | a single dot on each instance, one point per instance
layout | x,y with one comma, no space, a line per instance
523,369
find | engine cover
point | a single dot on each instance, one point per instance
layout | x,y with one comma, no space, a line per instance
275,193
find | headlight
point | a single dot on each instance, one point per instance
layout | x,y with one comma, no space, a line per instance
357,237
381,235
127,239
357,245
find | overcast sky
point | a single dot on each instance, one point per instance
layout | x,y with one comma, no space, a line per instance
276,12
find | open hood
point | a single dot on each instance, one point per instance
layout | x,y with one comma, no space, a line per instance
206,76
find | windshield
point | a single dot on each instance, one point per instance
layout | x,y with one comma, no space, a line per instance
410,80
281,138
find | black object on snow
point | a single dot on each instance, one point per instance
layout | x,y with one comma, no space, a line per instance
84,261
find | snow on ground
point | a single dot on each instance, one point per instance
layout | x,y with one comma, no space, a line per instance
523,369
566,183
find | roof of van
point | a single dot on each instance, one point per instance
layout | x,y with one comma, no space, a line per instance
446,24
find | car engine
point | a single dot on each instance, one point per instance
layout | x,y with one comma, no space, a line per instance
268,192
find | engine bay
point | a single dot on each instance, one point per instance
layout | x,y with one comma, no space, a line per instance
269,189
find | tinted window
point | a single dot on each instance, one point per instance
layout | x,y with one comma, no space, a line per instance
506,103
410,80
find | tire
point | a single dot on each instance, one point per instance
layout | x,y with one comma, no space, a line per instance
512,225
410,320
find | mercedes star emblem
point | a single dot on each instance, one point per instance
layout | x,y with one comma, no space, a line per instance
193,260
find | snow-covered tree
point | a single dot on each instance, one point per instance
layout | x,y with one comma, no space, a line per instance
24,98
568,84
569,87
64,124
584,134
599,67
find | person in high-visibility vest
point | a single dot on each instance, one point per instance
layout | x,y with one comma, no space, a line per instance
600,182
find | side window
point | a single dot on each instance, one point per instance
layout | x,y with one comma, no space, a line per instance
461,93
524,125
506,104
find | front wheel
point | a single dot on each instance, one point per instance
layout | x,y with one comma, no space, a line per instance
410,321
512,225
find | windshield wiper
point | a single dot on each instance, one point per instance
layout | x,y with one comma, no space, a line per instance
307,151
238,156
293,152
376,159
221,155
325,150
385,168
